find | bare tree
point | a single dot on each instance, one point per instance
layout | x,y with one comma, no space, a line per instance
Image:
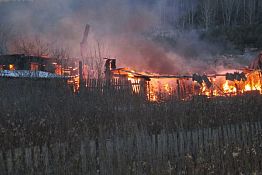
191,12
99,62
95,60
37,46
207,12
228,7
251,10
59,53
29,46
181,4
237,12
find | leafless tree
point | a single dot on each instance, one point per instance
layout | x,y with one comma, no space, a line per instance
191,12
237,11
251,10
99,62
95,59
207,12
60,53
29,46
228,7
39,47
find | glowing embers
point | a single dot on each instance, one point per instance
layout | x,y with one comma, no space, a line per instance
11,67
229,88
161,89
135,83
254,82
220,85
205,90
223,87
74,81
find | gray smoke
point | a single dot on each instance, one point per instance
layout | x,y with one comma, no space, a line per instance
118,26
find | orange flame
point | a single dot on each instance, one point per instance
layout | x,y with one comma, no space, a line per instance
163,88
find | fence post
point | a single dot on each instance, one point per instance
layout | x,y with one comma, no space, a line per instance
97,155
81,83
18,164
9,162
83,158
2,161
178,89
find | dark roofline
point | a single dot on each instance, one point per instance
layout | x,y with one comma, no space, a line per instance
28,56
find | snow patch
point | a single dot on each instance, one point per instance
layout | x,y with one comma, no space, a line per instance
28,74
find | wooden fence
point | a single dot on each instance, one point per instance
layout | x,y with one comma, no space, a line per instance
229,149
139,87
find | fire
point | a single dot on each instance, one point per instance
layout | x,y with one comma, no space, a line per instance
135,84
254,82
162,87
74,81
229,89
158,87
168,89
248,87
205,90
223,87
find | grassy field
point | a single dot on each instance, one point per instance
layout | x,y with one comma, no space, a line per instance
37,114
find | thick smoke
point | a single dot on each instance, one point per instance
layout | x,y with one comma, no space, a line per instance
117,26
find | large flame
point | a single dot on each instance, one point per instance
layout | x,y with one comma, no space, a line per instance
229,88
222,87
163,88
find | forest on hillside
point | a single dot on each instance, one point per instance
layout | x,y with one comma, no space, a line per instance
212,13
237,21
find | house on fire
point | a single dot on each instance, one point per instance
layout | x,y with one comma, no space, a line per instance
20,65
33,63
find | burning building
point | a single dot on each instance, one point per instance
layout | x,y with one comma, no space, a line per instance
30,63
155,87
159,87
20,63
28,67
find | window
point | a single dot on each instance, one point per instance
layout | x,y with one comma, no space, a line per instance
58,69
11,67
34,67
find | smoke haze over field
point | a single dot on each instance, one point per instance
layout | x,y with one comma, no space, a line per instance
117,25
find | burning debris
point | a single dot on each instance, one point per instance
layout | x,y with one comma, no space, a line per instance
156,87
159,87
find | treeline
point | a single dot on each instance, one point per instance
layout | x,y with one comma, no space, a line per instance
211,13
237,21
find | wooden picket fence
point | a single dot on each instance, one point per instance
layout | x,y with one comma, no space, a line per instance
229,149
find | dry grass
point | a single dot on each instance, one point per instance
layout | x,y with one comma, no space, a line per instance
37,112
36,115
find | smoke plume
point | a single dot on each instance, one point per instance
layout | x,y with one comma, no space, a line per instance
117,26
